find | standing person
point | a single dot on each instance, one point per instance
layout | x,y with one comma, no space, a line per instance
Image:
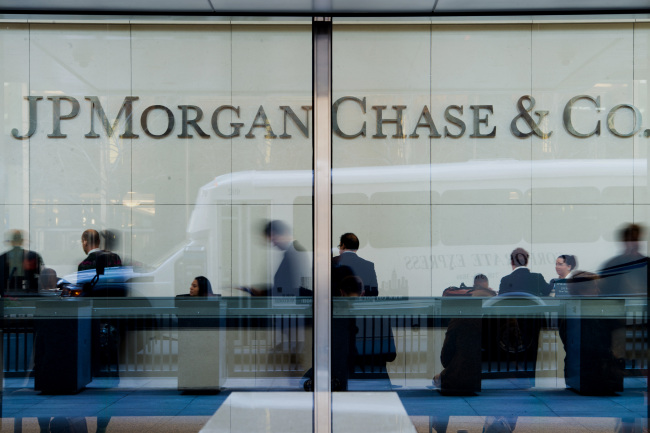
627,273
521,279
348,258
288,278
564,266
90,243
19,268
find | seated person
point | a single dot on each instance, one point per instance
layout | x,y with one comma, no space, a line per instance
200,287
461,354
482,286
351,286
47,281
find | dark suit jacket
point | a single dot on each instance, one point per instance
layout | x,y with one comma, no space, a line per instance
288,278
23,275
361,268
625,275
109,259
522,280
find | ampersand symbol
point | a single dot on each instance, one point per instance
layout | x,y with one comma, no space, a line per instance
524,114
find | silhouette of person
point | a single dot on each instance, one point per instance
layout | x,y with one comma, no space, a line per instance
518,335
627,273
348,258
592,363
351,287
288,278
48,280
344,332
19,268
521,279
461,354
90,243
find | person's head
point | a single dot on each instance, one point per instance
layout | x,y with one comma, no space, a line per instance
31,262
564,264
14,238
519,257
89,240
47,279
583,283
278,233
630,235
200,287
351,286
349,241
482,281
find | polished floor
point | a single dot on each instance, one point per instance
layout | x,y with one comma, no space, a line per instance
154,404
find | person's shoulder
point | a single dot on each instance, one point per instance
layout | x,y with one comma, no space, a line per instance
360,259
367,261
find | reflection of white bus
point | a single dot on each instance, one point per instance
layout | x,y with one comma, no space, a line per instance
414,221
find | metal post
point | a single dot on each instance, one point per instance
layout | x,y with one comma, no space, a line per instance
322,82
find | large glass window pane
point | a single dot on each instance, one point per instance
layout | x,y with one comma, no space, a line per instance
184,153
493,179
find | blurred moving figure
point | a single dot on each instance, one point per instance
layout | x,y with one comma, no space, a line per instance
19,268
288,279
364,269
627,273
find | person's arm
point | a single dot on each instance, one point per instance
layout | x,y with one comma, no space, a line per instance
502,287
374,286
254,291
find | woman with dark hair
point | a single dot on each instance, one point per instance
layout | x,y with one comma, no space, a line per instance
200,287
564,266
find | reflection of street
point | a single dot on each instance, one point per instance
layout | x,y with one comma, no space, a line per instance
380,412
247,352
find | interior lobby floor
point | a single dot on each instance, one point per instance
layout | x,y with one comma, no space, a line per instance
154,404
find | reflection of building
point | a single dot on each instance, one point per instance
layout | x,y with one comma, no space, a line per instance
395,286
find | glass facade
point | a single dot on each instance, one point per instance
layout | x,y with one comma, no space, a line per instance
163,216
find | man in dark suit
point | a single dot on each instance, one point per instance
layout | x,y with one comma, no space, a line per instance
521,279
19,268
90,244
349,263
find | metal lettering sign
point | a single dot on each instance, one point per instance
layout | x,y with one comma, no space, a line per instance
527,121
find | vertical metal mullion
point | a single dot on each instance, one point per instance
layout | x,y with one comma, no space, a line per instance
322,87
